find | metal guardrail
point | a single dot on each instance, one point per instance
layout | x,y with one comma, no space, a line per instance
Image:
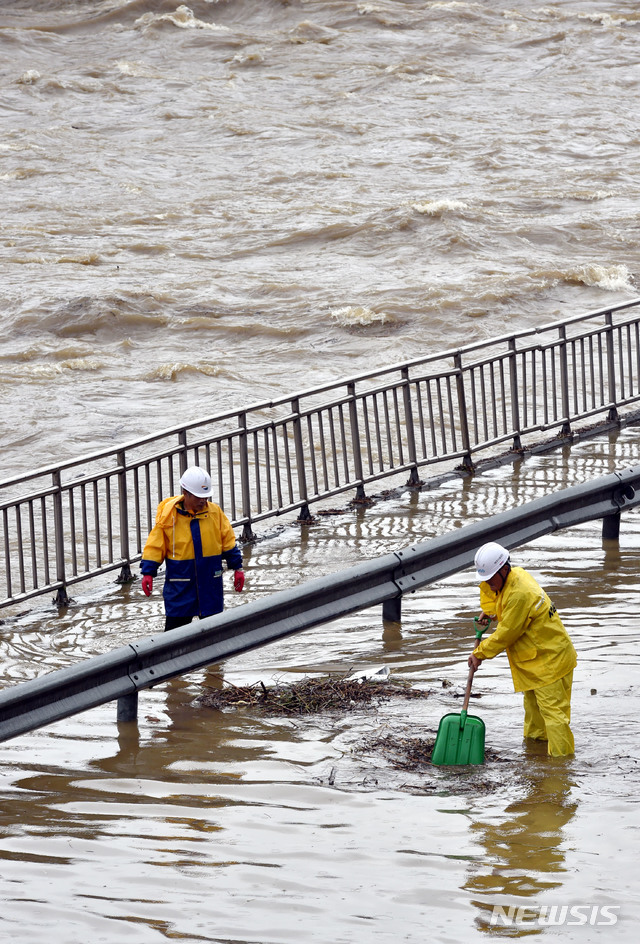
91,515
121,674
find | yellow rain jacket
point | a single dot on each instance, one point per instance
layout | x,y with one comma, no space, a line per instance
529,629
193,547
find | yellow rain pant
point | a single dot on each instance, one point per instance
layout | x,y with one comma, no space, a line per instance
547,713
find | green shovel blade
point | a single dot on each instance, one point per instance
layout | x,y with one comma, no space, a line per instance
460,740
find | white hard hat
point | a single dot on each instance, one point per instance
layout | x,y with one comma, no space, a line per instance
197,481
489,559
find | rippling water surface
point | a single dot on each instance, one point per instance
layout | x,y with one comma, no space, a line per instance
212,204
220,202
216,826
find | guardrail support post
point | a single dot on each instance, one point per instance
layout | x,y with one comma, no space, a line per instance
611,370
128,707
611,523
61,598
392,609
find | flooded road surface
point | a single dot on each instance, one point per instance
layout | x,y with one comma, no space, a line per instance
202,825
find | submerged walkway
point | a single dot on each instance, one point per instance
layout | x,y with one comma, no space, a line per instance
105,616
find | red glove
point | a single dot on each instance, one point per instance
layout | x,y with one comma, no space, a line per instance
147,584
238,580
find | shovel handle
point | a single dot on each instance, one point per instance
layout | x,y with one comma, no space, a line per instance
467,694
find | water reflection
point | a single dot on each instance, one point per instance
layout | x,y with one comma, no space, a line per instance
205,736
525,857
80,813
391,635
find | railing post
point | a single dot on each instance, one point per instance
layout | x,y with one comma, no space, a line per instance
61,598
355,442
564,382
7,553
467,461
515,402
414,479
247,532
125,575
305,514
184,459
611,369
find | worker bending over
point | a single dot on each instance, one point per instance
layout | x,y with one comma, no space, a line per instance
540,652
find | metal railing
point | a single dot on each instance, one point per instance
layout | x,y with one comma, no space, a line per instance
121,674
91,515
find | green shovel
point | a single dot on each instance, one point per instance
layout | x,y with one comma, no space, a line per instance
460,738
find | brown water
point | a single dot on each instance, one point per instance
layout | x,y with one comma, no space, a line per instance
201,825
210,205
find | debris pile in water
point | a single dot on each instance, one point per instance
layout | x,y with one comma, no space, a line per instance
308,696
403,753
414,753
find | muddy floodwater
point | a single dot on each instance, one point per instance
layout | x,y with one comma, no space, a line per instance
233,826
210,204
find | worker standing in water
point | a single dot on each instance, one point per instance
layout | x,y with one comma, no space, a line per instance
194,536
540,652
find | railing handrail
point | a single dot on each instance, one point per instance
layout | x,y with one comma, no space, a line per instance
122,673
283,455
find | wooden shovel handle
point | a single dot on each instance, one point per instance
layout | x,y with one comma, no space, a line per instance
467,694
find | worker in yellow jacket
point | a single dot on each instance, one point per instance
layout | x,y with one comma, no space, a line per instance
192,536
540,652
